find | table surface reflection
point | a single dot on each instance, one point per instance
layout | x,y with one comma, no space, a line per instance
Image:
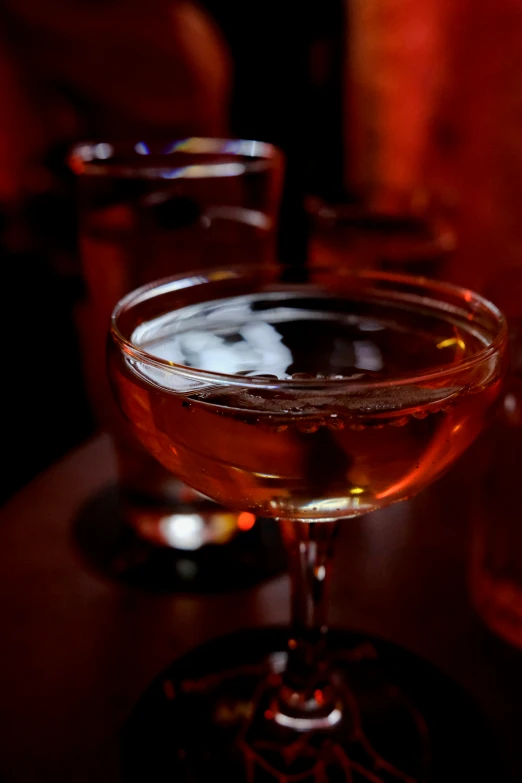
77,650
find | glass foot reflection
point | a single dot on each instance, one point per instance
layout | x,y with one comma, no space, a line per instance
402,720
196,546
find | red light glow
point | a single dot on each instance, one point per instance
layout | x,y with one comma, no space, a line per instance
246,520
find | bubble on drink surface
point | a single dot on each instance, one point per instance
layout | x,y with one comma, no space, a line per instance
307,426
334,423
330,402
303,376
347,376
401,422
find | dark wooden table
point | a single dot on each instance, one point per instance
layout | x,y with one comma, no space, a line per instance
76,650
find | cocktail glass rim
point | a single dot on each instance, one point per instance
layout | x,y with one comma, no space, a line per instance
475,303
100,157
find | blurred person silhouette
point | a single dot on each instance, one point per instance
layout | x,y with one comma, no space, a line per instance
71,69
74,69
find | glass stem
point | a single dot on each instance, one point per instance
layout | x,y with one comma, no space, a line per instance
306,693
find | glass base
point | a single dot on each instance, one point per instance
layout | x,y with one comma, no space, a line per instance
213,554
212,713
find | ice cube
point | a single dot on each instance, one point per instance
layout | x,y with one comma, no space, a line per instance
260,334
169,350
196,341
222,359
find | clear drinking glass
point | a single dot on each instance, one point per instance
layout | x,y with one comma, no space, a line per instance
406,233
146,210
495,557
308,396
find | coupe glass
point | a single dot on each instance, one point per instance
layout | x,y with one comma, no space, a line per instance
309,396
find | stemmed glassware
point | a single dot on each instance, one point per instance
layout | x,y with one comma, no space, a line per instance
309,396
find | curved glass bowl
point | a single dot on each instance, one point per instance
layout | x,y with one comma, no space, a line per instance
344,393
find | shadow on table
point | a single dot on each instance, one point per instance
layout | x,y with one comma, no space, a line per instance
112,547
